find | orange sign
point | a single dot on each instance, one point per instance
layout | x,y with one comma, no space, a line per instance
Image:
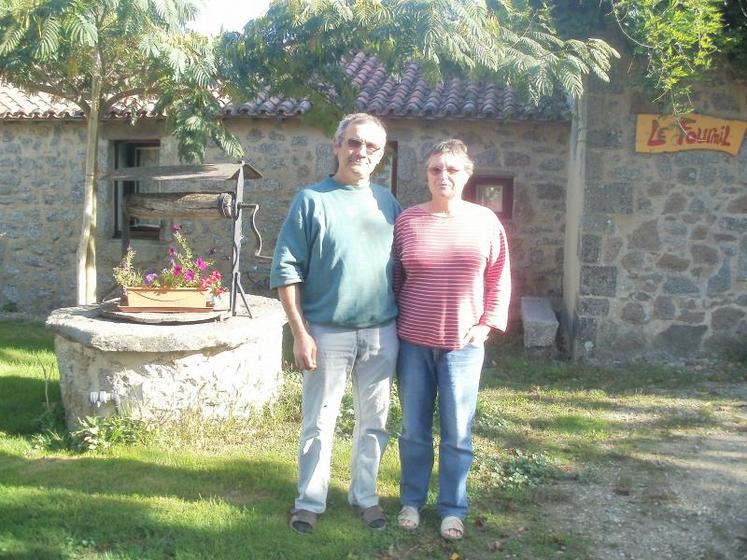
655,134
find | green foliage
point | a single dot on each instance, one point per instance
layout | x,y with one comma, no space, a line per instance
735,27
125,273
679,39
518,470
100,434
9,307
222,488
98,53
138,49
296,48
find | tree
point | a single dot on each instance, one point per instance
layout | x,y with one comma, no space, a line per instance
537,46
97,53
297,47
678,42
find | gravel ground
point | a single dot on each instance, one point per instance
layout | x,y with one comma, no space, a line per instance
684,498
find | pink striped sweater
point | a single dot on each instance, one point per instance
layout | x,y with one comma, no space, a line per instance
450,273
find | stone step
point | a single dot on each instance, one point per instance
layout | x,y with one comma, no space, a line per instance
540,323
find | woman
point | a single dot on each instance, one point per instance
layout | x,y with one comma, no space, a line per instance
453,284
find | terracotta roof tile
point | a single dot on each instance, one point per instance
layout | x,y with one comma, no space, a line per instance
456,99
379,94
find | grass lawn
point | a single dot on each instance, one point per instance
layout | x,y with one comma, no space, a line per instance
223,490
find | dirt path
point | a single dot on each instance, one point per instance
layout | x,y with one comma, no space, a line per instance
682,499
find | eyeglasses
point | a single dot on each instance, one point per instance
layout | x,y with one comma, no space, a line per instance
356,143
436,171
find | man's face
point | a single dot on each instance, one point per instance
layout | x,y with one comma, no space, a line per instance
360,150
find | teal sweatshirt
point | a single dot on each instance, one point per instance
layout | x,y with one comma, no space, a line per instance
337,241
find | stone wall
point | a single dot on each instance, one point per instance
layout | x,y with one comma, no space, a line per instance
654,246
662,237
41,195
41,201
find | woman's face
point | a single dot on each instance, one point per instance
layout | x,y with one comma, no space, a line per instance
446,176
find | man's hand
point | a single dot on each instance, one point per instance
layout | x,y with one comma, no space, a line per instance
477,335
304,351
304,346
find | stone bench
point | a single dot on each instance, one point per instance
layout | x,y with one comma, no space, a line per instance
540,323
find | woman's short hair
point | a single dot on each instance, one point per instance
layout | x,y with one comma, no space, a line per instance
456,147
347,120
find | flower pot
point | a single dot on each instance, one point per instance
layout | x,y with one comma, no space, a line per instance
166,300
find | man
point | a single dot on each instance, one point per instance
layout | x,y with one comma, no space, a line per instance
333,271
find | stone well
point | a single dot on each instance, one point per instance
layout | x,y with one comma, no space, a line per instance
157,371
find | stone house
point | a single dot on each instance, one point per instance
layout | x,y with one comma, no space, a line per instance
643,255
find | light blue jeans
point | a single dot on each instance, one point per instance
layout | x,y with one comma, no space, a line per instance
369,356
454,377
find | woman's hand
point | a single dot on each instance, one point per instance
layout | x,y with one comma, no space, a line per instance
477,335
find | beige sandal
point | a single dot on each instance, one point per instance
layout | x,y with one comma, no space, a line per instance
452,528
408,518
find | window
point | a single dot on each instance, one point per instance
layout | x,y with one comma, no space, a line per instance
385,173
135,154
495,192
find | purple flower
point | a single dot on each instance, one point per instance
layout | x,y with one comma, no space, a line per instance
199,263
172,251
150,278
189,275
176,227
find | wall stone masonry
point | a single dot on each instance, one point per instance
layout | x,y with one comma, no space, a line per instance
645,255
41,178
672,228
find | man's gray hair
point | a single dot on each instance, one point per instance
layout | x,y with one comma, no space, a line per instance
456,147
347,120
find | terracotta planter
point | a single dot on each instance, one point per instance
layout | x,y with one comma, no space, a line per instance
166,300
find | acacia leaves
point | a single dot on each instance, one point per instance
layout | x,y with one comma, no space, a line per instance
138,48
296,49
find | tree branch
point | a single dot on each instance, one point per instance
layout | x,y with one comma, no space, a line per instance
109,103
620,25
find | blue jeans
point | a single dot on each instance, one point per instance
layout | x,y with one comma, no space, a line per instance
369,356
454,376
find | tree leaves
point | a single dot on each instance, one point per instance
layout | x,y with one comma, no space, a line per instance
678,39
297,48
81,30
137,46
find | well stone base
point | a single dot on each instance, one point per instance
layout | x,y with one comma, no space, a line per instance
219,370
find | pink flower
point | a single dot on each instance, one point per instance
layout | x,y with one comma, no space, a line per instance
199,263
177,270
189,275
216,275
176,227
172,251
204,283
